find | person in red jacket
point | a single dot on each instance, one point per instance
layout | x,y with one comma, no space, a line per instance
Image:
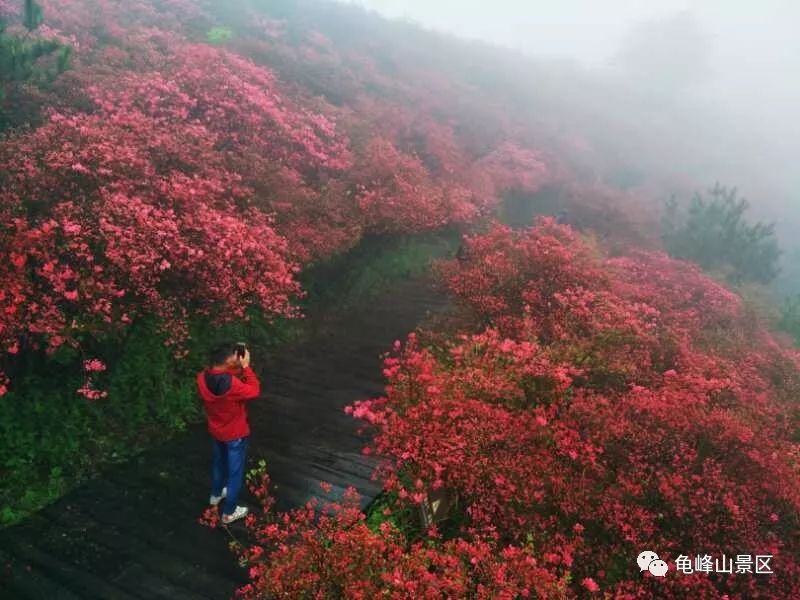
225,388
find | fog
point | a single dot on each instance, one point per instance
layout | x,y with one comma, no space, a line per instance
750,42
722,79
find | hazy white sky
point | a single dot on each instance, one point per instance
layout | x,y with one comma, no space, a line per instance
591,29
753,41
754,48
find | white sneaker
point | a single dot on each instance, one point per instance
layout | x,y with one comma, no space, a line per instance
214,500
239,513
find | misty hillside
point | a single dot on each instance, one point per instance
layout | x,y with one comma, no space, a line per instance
592,359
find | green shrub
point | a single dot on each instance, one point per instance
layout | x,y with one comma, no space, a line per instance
374,266
789,321
26,60
219,35
715,233
53,438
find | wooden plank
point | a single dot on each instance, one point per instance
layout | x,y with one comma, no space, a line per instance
183,537
133,533
77,581
21,581
162,560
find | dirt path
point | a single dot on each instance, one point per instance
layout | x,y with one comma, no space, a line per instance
133,534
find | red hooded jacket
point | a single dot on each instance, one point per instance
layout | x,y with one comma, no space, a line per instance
224,393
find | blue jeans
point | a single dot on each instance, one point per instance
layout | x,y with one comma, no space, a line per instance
227,470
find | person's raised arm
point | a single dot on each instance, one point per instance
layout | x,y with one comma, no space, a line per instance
246,387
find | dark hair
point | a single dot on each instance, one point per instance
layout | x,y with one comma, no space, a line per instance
221,352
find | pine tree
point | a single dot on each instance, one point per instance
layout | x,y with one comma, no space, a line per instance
32,15
22,63
715,234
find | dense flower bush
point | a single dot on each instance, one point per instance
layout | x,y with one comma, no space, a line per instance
599,407
595,406
609,405
329,551
177,178
124,216
8,8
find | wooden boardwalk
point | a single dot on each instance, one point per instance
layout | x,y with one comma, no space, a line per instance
133,533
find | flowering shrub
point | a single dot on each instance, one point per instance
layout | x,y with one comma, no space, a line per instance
329,551
597,405
165,163
602,406
609,405
91,366
125,218
8,8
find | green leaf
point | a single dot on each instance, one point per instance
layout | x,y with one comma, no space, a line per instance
32,16
219,35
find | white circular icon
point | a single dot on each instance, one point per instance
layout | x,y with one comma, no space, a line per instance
658,568
649,561
645,558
